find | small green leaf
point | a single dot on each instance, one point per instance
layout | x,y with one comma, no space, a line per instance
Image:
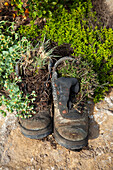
20,6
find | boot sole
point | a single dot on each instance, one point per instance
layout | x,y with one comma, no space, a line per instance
36,134
72,145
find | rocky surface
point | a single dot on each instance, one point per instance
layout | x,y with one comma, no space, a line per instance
18,152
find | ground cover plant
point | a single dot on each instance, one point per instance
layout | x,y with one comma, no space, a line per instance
88,38
11,50
36,9
41,9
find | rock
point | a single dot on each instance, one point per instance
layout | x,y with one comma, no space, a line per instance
104,10
109,3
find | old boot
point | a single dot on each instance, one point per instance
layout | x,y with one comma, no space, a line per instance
70,125
40,124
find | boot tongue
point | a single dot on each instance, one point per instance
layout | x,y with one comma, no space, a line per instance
63,87
68,82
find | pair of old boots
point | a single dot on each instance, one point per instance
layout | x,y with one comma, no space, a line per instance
70,125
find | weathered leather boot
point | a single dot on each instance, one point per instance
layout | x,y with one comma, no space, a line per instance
70,125
38,126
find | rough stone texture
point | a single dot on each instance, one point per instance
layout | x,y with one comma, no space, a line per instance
18,152
104,9
110,5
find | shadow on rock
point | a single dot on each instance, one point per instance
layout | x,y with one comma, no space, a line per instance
94,128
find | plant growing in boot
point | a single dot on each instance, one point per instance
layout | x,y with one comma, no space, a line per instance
83,71
25,82
12,54
36,73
